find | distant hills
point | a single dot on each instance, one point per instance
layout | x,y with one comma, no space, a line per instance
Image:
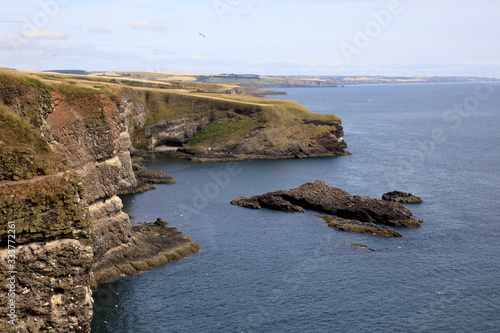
283,81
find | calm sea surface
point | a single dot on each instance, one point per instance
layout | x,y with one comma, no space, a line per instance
269,271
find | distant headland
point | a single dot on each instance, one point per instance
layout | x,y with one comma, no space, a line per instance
275,81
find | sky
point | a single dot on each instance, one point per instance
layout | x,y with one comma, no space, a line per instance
267,37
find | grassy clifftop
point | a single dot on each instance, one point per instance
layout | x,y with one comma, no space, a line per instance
206,121
24,154
238,126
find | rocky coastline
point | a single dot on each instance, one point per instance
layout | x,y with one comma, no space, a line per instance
66,156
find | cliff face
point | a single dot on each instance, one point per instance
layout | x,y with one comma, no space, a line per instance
45,230
207,128
59,181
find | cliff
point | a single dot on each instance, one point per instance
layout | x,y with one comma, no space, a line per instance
205,127
214,122
65,155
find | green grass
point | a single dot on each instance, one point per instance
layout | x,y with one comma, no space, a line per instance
14,130
11,77
69,88
217,130
24,153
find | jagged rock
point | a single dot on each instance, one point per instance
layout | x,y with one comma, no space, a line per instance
144,175
357,226
137,166
403,197
160,222
154,177
137,188
145,179
319,196
247,202
273,201
268,200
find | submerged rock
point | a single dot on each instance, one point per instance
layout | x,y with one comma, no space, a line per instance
357,226
319,196
362,246
403,197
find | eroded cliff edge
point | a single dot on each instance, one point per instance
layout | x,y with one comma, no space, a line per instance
64,157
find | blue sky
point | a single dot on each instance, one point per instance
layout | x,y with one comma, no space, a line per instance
307,37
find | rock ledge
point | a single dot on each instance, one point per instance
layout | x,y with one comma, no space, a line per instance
402,197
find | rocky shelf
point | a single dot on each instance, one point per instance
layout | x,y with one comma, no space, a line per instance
402,197
153,244
341,224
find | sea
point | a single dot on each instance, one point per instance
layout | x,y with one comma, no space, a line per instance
272,271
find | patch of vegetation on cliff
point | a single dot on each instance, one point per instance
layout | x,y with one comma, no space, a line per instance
163,105
68,88
46,209
220,130
24,153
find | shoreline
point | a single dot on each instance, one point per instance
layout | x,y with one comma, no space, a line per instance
152,246
235,157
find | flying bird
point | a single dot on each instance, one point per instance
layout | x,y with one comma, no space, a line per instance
202,35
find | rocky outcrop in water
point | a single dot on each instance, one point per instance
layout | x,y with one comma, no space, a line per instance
353,213
402,197
153,245
151,176
319,196
146,179
341,224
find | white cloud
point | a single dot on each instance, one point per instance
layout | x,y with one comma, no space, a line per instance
158,26
99,30
36,33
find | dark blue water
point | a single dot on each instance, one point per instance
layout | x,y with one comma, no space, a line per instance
268,271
